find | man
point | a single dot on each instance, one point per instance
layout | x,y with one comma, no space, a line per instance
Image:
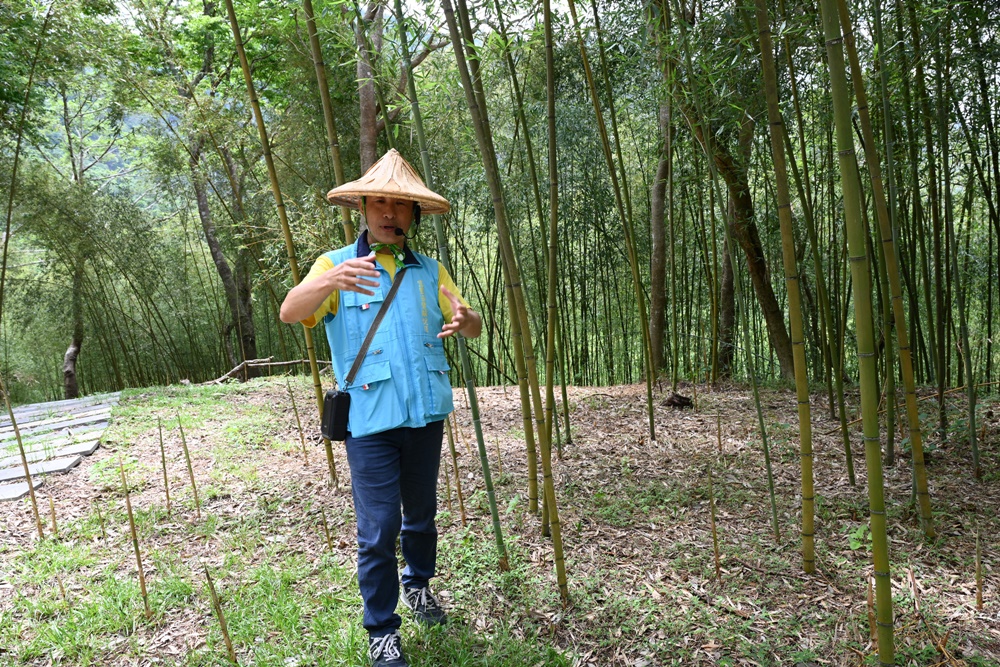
401,393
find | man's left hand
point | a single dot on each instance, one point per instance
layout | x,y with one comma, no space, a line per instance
462,317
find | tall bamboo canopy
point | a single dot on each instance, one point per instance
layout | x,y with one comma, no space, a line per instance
668,194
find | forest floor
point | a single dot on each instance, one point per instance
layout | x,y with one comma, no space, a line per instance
635,525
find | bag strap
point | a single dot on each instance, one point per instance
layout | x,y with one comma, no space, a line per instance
371,330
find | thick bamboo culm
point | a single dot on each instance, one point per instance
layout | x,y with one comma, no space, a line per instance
463,351
775,125
833,359
331,125
135,541
279,202
888,251
485,141
365,50
550,517
861,284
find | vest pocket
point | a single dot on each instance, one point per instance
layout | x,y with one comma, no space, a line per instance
374,404
439,397
361,310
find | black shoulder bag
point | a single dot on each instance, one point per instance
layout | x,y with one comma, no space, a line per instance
337,403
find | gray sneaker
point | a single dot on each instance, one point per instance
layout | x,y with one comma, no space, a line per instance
387,651
424,605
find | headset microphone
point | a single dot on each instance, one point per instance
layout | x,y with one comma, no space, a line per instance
398,232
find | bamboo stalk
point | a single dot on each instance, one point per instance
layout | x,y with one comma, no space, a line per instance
528,149
552,263
24,459
367,48
298,422
282,217
187,458
217,607
463,352
718,430
62,589
13,173
447,486
715,534
326,529
889,252
100,518
331,126
52,512
979,572
872,627
496,441
135,541
775,124
163,462
454,465
562,384
461,436
478,111
913,591
861,285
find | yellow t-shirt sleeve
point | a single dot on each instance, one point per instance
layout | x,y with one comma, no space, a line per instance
321,266
444,278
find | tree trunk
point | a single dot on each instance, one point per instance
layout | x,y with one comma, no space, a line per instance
368,116
71,388
727,316
658,260
244,296
744,230
236,287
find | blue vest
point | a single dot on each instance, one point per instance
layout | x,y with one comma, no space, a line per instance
403,379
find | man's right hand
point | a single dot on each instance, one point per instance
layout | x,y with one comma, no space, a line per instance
349,275
352,275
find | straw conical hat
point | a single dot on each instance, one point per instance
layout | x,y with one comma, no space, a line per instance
391,176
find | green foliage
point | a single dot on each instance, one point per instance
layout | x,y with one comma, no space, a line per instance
133,102
860,537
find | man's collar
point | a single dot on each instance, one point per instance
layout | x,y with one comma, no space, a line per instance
365,249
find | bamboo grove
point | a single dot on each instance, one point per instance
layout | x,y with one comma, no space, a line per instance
628,182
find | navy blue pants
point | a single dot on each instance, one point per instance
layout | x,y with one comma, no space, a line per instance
389,470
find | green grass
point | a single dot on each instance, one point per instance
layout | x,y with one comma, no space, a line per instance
634,502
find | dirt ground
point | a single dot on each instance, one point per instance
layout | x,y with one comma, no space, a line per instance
634,518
